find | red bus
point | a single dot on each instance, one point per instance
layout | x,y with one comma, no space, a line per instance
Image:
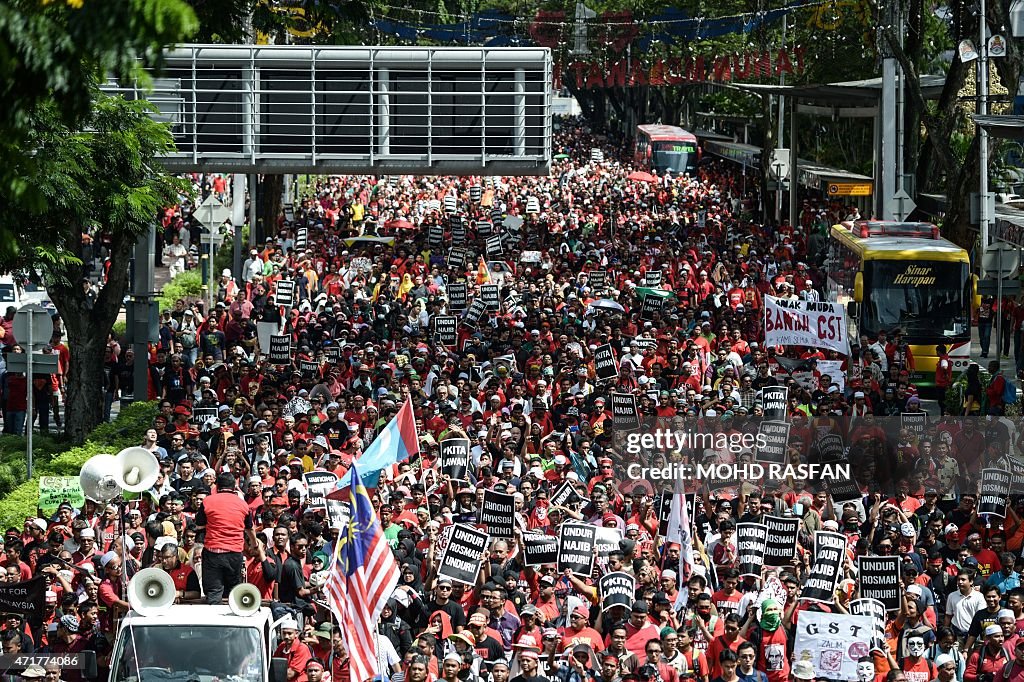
666,148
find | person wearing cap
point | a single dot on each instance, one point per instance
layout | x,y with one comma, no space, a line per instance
580,632
442,601
33,671
986,663
294,650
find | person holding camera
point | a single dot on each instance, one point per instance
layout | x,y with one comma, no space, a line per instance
989,659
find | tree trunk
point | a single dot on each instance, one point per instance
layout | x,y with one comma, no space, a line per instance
87,329
269,208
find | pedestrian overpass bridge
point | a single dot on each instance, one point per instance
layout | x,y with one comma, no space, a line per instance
341,110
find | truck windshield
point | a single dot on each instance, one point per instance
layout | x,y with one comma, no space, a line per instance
169,653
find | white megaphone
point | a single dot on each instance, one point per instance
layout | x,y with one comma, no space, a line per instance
245,599
151,591
137,469
98,478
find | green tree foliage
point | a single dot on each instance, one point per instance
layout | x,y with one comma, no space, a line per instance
73,160
100,176
51,52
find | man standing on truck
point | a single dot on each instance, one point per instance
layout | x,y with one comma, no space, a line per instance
224,516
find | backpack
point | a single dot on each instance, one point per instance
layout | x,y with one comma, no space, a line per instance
1009,392
188,340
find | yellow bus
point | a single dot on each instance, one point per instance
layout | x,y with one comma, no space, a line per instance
894,275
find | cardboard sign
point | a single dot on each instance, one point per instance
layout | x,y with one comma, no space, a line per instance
485,229
475,193
878,577
435,235
494,248
576,543
995,486
309,367
284,293
783,533
914,422
652,279
332,353
200,415
27,597
598,279
256,446
832,642
625,414
751,540
453,456
55,490
651,306
498,514
565,495
773,398
605,365
664,512
827,569
460,561
795,322
474,313
302,239
446,330
339,514
490,294
532,205
875,610
457,258
458,296
451,203
606,541
616,589
318,484
830,448
539,549
843,488
775,439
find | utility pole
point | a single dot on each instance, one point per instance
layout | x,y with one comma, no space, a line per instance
983,217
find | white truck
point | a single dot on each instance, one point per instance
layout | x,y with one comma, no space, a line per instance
161,642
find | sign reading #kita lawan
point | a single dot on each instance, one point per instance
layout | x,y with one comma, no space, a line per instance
636,71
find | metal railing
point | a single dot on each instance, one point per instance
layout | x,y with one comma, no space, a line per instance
386,110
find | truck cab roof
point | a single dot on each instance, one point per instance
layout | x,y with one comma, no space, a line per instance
198,614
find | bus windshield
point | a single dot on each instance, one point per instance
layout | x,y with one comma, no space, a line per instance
180,653
926,299
677,156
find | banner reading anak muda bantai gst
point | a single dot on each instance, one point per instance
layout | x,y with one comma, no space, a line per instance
796,322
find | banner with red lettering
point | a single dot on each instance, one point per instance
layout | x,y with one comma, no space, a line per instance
795,322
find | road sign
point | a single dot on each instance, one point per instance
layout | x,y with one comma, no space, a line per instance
779,166
849,189
211,212
990,287
42,363
903,205
42,325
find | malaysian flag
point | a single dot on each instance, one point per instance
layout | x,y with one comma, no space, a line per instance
362,577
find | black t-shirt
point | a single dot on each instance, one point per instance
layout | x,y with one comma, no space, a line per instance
454,611
292,580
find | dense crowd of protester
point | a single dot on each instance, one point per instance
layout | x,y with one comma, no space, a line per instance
521,384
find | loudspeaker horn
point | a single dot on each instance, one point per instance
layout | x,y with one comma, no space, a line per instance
151,591
98,478
245,599
137,469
